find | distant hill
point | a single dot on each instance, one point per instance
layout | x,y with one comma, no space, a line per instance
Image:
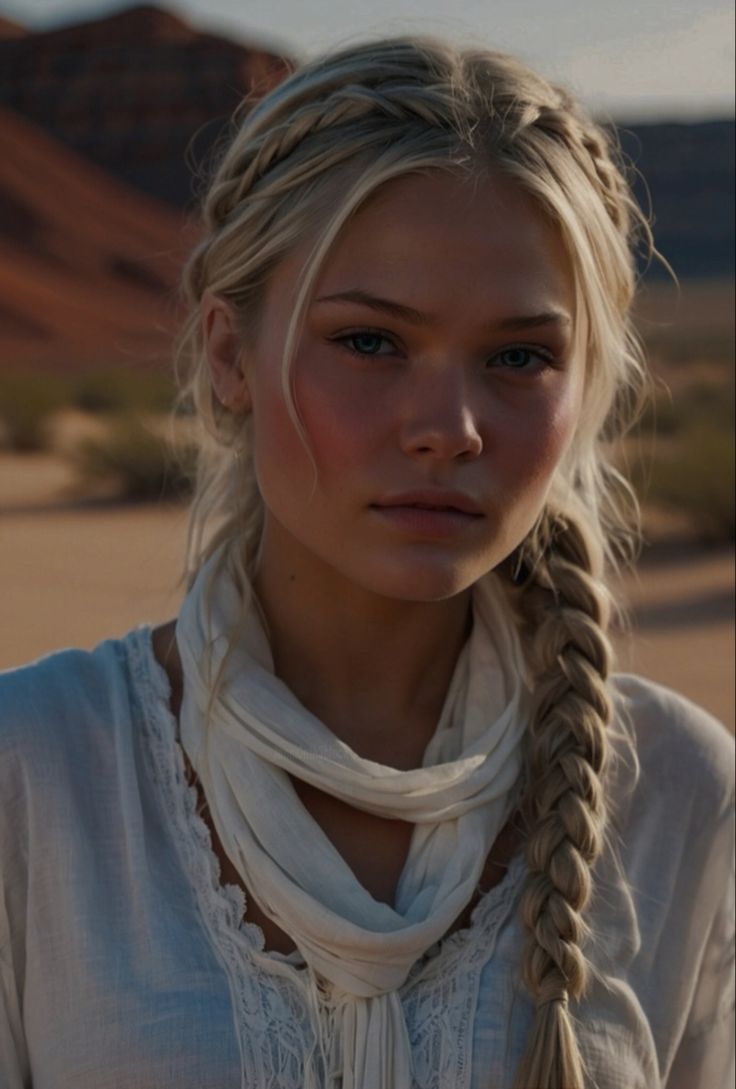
689,174
88,265
9,29
130,91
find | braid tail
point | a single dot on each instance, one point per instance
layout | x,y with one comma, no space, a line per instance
565,607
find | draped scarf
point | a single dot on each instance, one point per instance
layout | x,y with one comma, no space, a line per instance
247,735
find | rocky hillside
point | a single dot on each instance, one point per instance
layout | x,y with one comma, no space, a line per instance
9,29
687,172
130,92
88,265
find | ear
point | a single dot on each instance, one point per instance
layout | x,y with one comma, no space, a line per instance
224,348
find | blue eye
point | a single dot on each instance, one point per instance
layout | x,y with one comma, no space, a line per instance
366,342
519,358
515,357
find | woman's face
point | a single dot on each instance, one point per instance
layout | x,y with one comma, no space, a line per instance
437,383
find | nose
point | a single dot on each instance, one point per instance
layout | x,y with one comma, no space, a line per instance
440,422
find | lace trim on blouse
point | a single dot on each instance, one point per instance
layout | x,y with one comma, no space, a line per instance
268,988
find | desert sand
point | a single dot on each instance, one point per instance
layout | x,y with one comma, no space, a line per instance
74,573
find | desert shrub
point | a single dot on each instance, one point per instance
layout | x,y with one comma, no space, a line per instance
695,475
700,401
712,404
680,345
660,417
27,402
682,456
118,391
134,462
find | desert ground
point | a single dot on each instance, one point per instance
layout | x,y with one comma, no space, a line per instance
77,572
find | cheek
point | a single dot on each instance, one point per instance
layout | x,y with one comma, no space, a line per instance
535,449
559,426
344,421
539,437
280,458
333,438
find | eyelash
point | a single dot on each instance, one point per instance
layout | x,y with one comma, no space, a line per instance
344,338
548,358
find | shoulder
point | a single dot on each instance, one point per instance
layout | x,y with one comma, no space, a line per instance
684,754
53,702
671,727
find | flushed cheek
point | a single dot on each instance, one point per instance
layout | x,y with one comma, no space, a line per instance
293,467
566,417
555,434
281,460
345,428
537,443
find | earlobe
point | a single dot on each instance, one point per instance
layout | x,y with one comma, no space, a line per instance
225,354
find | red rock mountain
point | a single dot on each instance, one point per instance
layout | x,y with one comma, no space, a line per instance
95,123
9,29
132,90
88,266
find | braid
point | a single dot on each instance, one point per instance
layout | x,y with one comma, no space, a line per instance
566,611
268,141
593,152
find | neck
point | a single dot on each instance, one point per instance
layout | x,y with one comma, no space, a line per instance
374,669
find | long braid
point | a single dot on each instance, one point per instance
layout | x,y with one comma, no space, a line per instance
565,608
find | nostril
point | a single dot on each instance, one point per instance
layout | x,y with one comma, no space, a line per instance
445,431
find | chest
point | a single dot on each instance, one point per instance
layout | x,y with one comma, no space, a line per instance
374,848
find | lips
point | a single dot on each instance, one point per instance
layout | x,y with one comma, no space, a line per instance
429,516
452,502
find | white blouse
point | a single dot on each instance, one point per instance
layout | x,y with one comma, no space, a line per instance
126,964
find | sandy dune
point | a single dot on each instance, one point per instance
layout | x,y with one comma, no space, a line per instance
75,574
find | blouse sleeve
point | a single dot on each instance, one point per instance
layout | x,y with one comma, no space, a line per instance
705,1061
705,1056
14,1060
14,1070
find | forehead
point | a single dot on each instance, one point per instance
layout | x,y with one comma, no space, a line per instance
460,249
453,239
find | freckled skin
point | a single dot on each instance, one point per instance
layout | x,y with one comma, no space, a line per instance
436,405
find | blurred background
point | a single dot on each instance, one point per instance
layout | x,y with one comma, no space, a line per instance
108,113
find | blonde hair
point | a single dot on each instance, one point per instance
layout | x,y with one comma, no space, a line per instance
297,167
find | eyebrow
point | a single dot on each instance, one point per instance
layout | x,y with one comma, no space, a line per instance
416,317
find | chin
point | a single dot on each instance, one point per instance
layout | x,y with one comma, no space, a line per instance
425,582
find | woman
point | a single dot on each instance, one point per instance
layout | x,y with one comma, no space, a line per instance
372,813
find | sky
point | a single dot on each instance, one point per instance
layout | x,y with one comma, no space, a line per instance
628,59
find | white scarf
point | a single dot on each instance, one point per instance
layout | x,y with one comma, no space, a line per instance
256,734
